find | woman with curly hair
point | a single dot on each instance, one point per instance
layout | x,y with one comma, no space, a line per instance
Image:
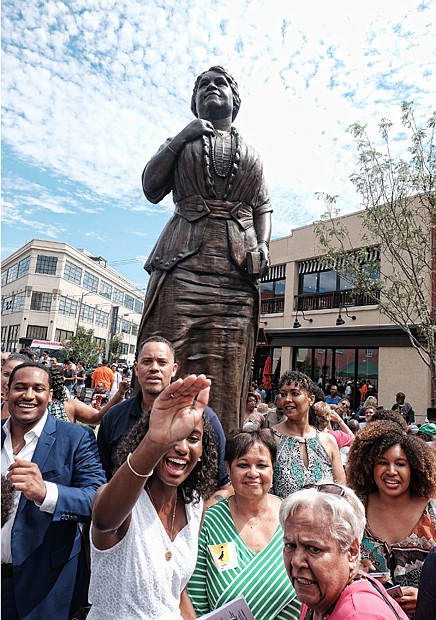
304,455
73,410
146,520
395,474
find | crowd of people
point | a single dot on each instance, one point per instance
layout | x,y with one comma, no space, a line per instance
137,506
143,508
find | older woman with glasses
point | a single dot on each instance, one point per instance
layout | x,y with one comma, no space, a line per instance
323,525
240,546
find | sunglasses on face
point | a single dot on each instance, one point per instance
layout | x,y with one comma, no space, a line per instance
332,488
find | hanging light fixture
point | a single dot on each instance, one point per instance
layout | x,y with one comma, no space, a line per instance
297,322
340,320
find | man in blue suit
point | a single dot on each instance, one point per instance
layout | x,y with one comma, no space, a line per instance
55,469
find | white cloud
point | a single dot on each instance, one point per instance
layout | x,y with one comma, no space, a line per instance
90,89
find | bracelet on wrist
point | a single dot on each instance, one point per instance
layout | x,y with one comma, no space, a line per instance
135,472
265,242
120,395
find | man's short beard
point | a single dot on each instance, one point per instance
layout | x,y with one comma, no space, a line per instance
154,390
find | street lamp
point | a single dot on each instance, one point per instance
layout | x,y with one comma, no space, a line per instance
80,307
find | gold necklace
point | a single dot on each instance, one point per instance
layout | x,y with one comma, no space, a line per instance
168,554
242,518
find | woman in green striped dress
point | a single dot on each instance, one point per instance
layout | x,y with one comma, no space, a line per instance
241,540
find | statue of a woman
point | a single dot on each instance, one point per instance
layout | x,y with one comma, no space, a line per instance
203,295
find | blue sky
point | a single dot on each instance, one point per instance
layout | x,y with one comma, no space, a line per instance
91,89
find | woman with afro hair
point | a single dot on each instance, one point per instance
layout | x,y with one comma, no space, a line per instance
395,475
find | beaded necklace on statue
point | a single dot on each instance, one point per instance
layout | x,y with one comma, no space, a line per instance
221,158
222,153
168,554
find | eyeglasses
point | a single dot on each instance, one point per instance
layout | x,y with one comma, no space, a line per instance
332,488
345,404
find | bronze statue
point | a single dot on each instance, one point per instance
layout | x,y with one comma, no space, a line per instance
203,292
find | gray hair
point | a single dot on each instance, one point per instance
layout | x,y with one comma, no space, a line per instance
347,512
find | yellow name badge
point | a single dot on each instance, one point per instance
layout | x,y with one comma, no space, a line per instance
224,555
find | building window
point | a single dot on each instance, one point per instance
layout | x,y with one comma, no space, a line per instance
101,343
105,290
101,318
23,267
124,348
339,366
128,301
4,276
12,273
272,290
139,306
134,329
46,264
36,332
87,313
41,301
125,326
90,282
72,272
7,305
62,335
132,349
322,288
118,296
12,340
19,301
67,306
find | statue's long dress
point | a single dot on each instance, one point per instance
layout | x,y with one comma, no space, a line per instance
200,296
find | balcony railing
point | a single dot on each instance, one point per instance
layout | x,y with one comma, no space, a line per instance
272,306
333,299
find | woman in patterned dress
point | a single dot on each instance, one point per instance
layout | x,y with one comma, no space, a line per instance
304,455
395,474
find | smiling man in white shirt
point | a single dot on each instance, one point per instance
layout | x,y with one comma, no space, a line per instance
55,470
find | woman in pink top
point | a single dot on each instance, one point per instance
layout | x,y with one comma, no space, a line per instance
323,525
325,416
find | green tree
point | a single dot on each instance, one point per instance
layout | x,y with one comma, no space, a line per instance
399,198
115,348
82,346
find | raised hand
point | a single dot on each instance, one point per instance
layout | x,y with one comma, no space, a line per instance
124,386
177,410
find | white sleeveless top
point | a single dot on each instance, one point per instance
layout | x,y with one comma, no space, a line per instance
133,580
